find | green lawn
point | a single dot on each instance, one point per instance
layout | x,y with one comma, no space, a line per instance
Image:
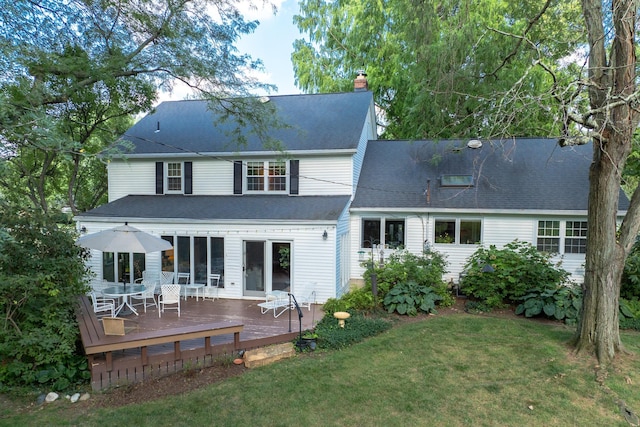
456,370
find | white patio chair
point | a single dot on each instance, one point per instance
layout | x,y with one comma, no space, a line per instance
183,279
146,276
211,289
278,301
166,277
147,297
169,295
306,295
102,305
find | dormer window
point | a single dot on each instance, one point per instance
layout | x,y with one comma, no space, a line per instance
456,181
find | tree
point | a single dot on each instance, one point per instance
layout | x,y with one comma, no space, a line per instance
612,121
42,272
435,68
74,73
493,69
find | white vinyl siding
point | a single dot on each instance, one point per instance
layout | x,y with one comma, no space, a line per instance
313,259
319,175
131,177
325,175
212,177
497,230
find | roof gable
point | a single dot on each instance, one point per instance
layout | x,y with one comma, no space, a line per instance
515,174
312,122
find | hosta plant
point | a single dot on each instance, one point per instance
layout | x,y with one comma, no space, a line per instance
410,298
561,303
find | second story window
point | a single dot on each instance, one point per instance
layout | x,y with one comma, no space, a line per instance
174,177
266,176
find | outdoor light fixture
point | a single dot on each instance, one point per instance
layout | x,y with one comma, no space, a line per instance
487,268
325,236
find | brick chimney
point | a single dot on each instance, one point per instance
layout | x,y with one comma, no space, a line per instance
360,83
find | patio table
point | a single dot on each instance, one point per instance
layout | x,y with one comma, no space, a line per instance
193,286
124,293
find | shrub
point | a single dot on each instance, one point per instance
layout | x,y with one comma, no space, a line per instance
356,299
410,298
357,328
561,303
426,269
515,269
630,285
41,276
629,315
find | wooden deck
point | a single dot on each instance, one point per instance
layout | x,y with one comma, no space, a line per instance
205,331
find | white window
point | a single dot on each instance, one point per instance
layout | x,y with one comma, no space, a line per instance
174,177
268,176
575,241
569,237
458,231
393,236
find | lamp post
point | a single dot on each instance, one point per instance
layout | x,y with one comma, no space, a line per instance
374,278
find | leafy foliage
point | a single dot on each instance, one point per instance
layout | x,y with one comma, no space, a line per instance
517,268
357,328
630,283
76,72
426,269
561,303
456,63
629,314
41,276
410,298
360,299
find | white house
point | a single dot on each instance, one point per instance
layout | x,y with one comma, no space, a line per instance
263,219
458,195
309,213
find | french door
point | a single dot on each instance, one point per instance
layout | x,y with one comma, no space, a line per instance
267,267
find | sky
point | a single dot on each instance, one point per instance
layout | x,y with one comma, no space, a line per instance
272,42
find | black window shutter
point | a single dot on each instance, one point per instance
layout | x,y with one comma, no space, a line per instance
188,177
237,177
294,180
159,177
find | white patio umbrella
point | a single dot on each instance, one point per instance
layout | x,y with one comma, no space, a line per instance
124,239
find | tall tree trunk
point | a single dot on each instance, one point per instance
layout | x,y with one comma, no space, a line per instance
612,96
598,330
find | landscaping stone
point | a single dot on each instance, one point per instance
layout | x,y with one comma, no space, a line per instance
84,396
266,355
75,398
40,399
51,397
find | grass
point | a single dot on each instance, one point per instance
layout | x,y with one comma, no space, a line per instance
446,371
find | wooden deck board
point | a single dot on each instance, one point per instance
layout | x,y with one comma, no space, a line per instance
234,318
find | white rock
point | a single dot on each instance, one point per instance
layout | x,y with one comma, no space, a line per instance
84,397
75,397
51,397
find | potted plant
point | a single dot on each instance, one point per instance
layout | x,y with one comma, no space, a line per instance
308,340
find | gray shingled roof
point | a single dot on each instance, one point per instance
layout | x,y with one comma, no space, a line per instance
246,207
317,122
520,174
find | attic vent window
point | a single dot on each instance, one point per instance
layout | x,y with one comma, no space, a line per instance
456,180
